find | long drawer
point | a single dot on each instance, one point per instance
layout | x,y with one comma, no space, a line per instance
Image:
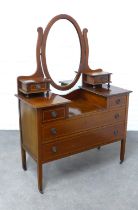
53,130
82,141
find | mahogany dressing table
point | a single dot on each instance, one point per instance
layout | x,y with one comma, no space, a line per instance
54,126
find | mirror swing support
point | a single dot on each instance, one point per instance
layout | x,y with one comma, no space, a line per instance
54,126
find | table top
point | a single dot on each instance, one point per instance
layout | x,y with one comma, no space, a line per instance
41,101
105,92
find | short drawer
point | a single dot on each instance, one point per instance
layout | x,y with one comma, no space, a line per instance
30,86
117,101
53,114
101,79
83,141
97,80
70,126
38,87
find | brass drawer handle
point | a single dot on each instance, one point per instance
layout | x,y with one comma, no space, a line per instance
37,86
54,114
116,115
54,149
53,131
118,101
115,132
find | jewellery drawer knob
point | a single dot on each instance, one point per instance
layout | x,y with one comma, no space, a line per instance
118,101
54,114
54,149
115,132
37,86
53,131
116,115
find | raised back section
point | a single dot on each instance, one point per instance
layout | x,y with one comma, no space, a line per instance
35,83
93,78
40,81
38,72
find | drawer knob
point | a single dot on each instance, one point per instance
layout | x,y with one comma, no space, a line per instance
53,131
115,132
118,101
54,114
54,149
116,115
37,86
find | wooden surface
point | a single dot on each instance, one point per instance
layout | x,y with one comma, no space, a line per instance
81,123
96,73
81,141
54,113
34,80
29,129
42,101
105,92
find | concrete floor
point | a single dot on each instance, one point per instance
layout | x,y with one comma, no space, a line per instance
92,180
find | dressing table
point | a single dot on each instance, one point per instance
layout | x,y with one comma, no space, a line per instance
54,126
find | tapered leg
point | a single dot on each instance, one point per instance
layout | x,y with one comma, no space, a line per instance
39,177
23,154
122,150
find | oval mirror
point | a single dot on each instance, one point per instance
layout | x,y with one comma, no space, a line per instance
62,52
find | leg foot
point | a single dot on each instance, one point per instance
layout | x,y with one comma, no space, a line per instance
41,191
121,161
99,148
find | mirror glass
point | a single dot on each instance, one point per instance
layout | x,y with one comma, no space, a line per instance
63,51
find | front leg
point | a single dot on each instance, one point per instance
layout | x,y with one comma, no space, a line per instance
39,177
23,155
122,150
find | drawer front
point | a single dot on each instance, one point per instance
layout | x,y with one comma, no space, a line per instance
53,114
83,141
24,87
38,87
97,80
101,79
117,101
70,126
33,88
90,80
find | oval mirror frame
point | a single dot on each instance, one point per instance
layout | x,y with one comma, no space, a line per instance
43,49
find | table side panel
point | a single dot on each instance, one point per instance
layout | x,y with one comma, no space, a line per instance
29,128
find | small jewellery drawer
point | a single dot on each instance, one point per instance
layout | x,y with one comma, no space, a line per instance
69,126
117,101
101,79
84,140
35,85
97,80
38,87
53,114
